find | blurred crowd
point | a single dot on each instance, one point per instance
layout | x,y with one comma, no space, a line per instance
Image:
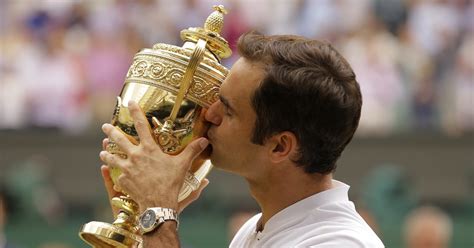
63,62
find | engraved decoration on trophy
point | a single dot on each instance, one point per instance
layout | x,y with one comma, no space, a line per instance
174,86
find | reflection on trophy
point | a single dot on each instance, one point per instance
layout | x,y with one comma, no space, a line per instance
174,86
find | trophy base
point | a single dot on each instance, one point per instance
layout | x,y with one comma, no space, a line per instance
101,234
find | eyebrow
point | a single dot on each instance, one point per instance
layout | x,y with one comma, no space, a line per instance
226,103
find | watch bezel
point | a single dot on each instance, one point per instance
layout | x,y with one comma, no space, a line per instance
157,221
159,214
148,227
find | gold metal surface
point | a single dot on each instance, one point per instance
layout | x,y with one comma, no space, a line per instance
212,27
174,86
104,235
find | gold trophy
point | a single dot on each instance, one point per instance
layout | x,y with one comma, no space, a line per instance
174,86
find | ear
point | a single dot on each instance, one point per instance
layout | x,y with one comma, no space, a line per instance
282,146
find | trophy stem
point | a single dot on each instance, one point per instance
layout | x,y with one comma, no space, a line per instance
128,214
122,233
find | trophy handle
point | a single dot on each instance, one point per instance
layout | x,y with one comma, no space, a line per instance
194,61
166,136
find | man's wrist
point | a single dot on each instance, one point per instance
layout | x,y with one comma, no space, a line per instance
164,237
164,202
167,226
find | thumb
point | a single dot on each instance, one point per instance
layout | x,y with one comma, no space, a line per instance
195,148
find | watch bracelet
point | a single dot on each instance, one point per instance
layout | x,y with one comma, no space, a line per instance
167,214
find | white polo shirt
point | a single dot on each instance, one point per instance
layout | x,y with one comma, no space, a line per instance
326,219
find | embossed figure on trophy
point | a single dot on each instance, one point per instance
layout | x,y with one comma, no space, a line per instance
126,217
169,138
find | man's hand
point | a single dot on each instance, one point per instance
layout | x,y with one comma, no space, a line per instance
149,176
109,187
111,192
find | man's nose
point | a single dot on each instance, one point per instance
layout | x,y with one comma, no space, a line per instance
213,114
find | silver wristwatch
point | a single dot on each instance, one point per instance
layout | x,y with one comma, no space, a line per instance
152,218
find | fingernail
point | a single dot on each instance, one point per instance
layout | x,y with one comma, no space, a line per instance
102,154
105,126
203,143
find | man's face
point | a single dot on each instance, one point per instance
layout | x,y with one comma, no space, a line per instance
232,120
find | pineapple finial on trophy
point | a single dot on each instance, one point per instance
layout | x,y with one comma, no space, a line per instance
215,21
216,44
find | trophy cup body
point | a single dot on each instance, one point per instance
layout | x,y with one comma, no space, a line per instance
174,86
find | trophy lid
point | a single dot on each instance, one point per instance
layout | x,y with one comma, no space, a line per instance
211,33
179,70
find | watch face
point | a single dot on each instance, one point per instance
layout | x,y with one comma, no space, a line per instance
148,219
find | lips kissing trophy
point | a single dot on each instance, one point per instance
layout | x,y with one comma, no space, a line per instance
174,86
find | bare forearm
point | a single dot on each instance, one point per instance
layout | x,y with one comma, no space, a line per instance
165,237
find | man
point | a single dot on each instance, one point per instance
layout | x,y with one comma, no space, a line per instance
6,206
427,226
3,216
287,109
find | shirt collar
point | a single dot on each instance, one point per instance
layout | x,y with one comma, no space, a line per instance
337,193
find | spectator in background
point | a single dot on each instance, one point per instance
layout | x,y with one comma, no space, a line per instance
40,79
458,116
5,208
55,88
373,52
435,27
321,13
427,227
106,64
417,71
234,26
392,13
3,218
435,24
19,61
12,99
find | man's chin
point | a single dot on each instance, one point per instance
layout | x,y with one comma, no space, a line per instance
206,154
216,161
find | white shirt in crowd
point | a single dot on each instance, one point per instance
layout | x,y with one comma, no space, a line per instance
326,219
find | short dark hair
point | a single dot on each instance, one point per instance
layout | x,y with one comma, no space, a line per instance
310,90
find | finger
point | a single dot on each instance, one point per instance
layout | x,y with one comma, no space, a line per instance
105,143
195,148
117,188
193,196
111,159
202,186
141,124
118,137
108,182
109,187
121,184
